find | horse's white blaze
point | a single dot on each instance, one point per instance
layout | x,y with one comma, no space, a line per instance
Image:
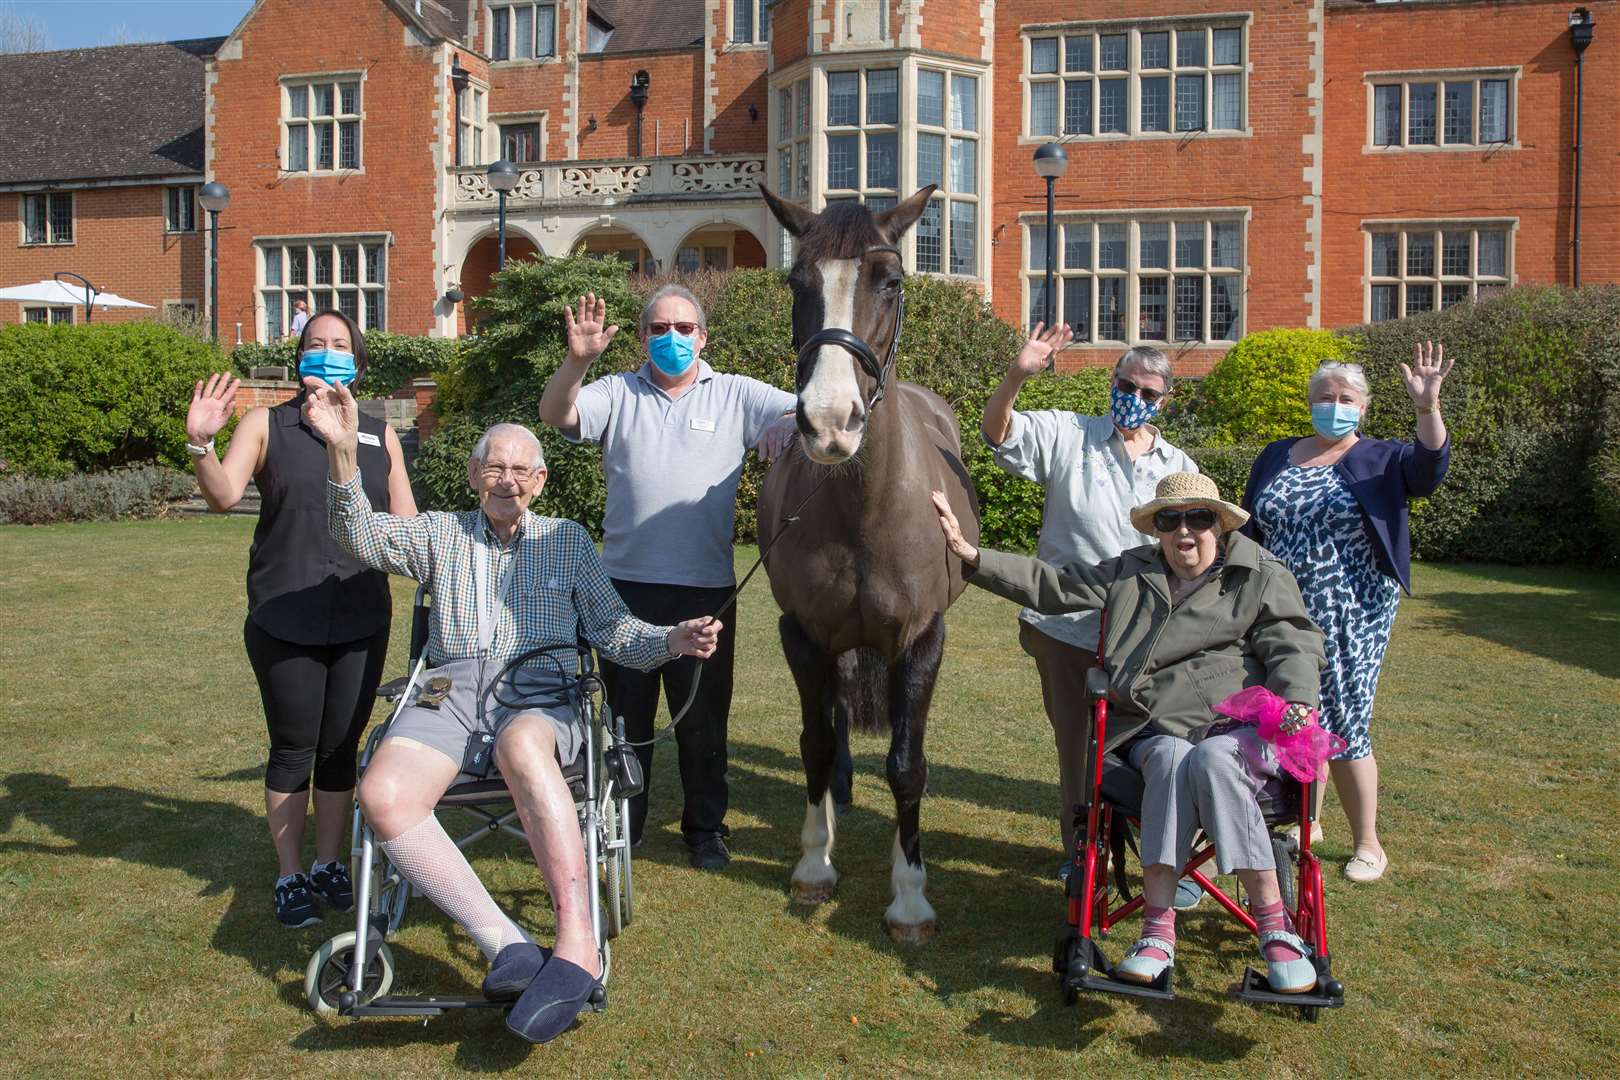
910,907
816,841
832,396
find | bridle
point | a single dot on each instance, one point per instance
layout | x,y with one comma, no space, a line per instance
852,343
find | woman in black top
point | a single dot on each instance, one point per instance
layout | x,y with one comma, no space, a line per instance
317,625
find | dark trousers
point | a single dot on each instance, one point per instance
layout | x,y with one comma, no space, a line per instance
700,738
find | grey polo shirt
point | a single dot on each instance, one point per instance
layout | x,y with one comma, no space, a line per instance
1091,485
672,468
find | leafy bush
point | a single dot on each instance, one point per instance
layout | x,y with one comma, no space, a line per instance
97,396
1258,390
1605,467
1228,466
126,493
393,360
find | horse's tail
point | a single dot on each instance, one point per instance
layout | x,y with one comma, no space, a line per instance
863,689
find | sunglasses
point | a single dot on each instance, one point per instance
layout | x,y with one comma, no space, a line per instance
1198,519
685,329
1150,397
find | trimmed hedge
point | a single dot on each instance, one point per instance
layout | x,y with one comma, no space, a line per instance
1258,391
142,492
392,359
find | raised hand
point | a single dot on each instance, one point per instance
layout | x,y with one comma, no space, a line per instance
695,637
331,411
1429,369
953,531
587,337
1038,350
211,407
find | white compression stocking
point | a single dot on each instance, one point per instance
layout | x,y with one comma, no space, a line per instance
430,860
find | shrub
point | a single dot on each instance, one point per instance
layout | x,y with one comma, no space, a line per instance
1257,392
141,492
1605,467
1228,466
393,360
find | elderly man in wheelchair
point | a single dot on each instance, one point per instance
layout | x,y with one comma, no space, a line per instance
506,583
1189,621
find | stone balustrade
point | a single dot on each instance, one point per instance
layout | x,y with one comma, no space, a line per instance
614,183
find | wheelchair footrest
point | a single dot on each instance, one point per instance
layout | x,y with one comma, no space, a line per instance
1327,994
418,1006
1095,973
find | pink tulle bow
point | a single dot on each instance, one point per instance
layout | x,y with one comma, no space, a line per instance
1303,753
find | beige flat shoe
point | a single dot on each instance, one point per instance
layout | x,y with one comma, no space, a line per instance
1366,868
1292,833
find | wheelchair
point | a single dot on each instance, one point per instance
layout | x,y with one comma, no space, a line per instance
350,975
1112,812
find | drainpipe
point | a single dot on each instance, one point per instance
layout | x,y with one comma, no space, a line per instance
1580,36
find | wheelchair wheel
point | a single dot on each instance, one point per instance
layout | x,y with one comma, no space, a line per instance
628,914
1287,871
327,975
614,870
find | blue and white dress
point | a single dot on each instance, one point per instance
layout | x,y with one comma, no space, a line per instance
1313,524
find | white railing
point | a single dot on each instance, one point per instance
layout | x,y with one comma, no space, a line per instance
605,183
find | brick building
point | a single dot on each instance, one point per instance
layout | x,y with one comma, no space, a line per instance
1230,167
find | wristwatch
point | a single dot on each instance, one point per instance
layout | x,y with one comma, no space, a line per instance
200,451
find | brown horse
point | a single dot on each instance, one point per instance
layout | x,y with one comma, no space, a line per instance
863,575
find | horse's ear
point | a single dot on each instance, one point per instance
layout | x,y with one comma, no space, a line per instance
794,218
894,223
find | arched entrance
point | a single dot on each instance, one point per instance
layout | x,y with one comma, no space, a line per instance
480,264
608,241
719,246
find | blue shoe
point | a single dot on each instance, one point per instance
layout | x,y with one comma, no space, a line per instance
1289,976
1065,868
295,903
552,1002
331,883
1137,968
1189,894
513,970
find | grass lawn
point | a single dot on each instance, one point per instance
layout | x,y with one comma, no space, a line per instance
135,870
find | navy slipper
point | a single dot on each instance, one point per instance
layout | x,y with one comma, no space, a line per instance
514,969
552,1001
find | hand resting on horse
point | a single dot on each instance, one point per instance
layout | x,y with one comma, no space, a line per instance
953,531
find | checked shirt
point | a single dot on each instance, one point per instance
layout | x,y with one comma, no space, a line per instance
559,587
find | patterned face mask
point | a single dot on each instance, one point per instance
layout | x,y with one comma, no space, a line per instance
1129,411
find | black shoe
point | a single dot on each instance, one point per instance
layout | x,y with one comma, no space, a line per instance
709,854
295,903
331,883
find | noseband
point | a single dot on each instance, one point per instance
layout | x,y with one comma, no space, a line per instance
852,343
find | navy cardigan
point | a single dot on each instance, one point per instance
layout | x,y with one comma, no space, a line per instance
1382,474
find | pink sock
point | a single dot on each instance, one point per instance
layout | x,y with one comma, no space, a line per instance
1275,917
1159,922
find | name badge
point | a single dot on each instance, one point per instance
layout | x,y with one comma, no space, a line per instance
369,439
702,425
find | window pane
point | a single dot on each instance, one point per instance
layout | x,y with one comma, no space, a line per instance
1419,298
1455,249
930,160
1077,107
349,264
323,146
965,166
61,315
1043,114
1077,53
323,99
1383,302
1155,244
1037,247
323,266
1111,247
875,203
351,98
272,266
1189,102
883,96
34,217
688,259
1111,309
374,264
742,22
1156,50
61,218
1459,112
1225,249
1190,48
1189,243
298,266
374,310
1386,116
965,102
1156,104
524,32
784,170
1111,105
349,147
545,30
1228,103
964,237
929,250
273,326
501,48
1452,295
1492,253
931,97
1228,47
298,148
803,154
1077,306
1037,300
843,154
1225,307
784,113
1115,49
1420,254
1189,324
882,160
1420,114
1493,124
1043,55
1386,255
803,98
349,303
1077,247
297,101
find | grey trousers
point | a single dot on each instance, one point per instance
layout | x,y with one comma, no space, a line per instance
1208,786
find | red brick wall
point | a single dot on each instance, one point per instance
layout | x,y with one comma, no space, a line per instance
481,262
256,393
119,244
528,86
790,28
675,97
740,81
954,27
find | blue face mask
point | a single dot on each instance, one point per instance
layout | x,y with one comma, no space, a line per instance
1334,419
671,353
1129,411
331,365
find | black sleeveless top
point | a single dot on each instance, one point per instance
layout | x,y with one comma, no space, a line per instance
301,586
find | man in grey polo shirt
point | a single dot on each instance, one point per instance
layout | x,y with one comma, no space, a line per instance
673,435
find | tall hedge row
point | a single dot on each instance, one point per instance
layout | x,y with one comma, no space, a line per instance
392,359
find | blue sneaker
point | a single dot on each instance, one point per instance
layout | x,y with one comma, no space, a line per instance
331,883
1189,894
295,903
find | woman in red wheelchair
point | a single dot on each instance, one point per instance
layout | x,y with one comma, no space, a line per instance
1190,621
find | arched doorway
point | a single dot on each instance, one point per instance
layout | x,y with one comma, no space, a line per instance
480,264
719,246
609,241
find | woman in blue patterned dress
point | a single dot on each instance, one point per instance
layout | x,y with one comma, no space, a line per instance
1332,507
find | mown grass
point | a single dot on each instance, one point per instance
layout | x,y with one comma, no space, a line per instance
135,871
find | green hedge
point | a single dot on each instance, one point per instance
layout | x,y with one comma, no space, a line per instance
1257,392
392,359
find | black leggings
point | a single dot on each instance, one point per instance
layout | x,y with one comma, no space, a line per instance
317,702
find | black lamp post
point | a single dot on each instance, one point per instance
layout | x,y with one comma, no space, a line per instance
1580,36
640,84
1050,163
503,177
214,197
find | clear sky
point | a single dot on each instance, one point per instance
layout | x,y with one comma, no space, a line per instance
74,24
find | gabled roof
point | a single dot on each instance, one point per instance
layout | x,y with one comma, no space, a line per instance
650,24
120,112
440,19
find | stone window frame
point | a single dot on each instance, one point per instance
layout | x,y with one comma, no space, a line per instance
471,131
790,123
497,121
503,10
366,285
1398,286
338,119
48,314
52,233
759,29
173,225
1440,78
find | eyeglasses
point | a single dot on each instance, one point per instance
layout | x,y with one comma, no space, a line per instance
1198,519
522,474
1150,397
685,329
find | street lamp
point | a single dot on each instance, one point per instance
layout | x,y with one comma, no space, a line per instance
1580,36
640,84
1050,163
503,177
214,197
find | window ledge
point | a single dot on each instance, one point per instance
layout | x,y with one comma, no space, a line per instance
46,244
524,61
318,174
1453,148
1145,136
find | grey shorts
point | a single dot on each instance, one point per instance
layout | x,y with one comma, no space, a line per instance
455,728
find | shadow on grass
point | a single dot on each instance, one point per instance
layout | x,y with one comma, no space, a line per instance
1570,626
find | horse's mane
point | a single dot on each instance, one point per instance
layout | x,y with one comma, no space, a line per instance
845,230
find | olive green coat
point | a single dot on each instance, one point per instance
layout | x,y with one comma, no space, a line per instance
1246,626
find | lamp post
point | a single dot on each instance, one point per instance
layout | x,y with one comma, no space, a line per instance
1580,36
503,177
214,197
640,84
1050,163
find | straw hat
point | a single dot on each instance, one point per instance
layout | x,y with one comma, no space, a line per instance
1182,490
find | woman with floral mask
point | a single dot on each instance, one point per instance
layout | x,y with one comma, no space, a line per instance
1332,507
317,625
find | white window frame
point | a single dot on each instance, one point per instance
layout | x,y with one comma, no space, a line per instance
497,121
472,120
499,11
1033,272
293,127
1439,77
947,196
861,130
312,247
759,31
54,314
52,239
171,306
189,194
1474,281
792,104
1132,76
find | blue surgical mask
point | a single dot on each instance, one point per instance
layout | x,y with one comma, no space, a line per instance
331,365
1129,411
1334,419
672,353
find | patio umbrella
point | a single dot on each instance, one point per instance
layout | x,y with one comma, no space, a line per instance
60,293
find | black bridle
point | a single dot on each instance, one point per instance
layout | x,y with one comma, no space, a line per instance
852,343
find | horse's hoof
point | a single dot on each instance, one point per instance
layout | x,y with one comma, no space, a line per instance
813,892
918,934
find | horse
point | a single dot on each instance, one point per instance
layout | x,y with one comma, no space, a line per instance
855,557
